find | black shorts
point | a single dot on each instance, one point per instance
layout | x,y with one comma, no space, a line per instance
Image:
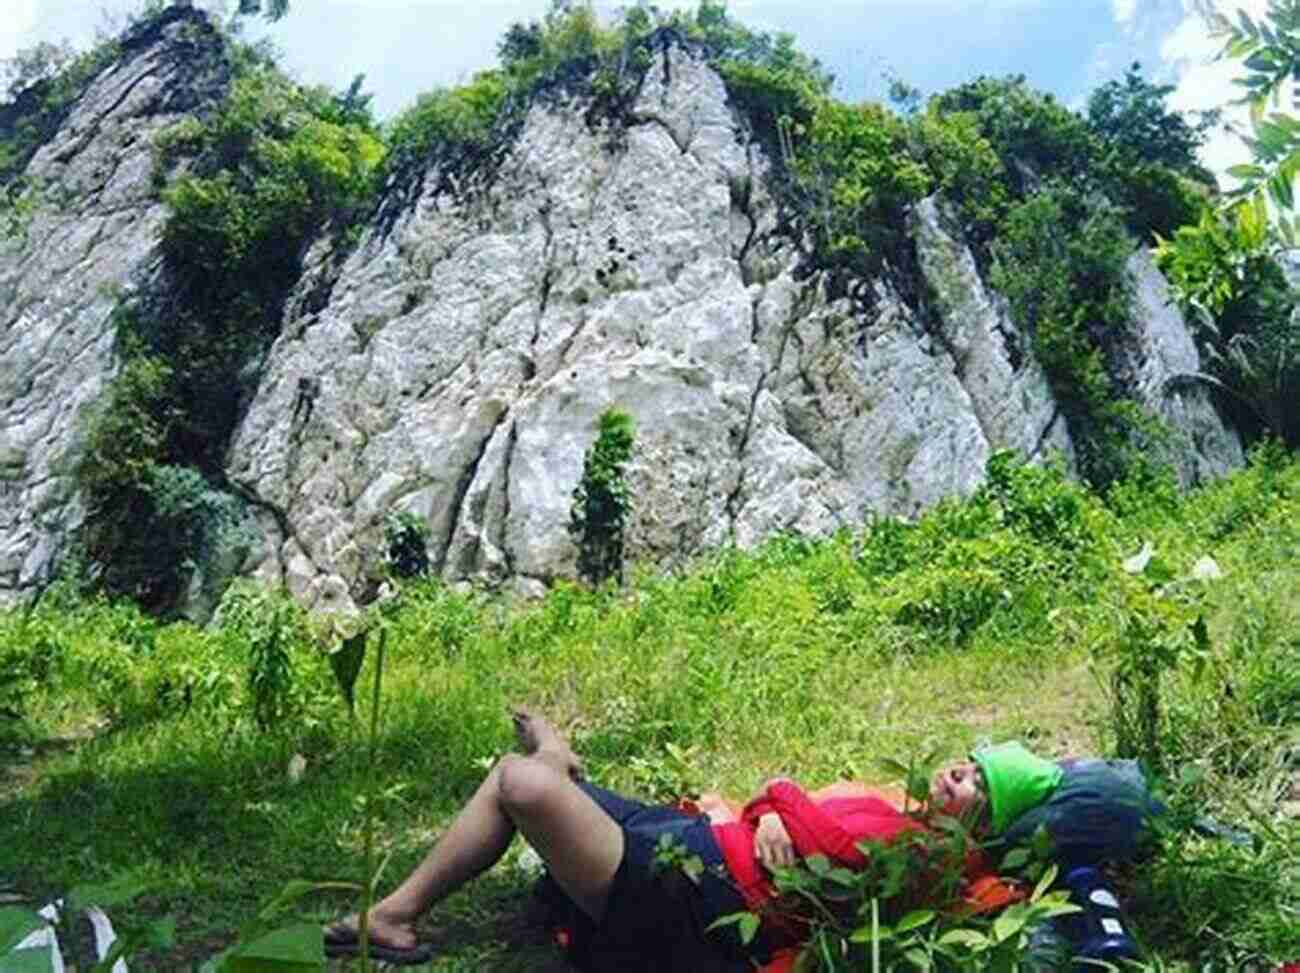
657,919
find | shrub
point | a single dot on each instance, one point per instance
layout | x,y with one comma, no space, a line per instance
44,82
446,123
407,538
965,168
1225,275
289,681
853,178
1038,501
601,503
1035,136
268,170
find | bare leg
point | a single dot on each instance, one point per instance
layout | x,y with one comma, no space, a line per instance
535,795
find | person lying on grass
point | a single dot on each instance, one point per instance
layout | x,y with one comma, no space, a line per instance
601,852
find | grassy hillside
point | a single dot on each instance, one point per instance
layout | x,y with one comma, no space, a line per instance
159,755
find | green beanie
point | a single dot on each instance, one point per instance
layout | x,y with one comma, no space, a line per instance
1016,780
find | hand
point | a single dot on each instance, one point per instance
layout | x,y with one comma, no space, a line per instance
772,844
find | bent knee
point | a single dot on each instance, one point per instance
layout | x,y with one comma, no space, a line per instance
524,783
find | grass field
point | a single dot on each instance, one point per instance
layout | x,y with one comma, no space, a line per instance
147,754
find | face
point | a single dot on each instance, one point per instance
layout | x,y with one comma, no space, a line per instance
958,789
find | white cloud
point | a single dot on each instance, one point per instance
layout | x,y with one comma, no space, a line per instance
1125,10
19,18
1203,83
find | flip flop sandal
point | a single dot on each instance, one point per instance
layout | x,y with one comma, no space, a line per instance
344,941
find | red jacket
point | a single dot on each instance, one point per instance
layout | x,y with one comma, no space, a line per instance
829,822
832,827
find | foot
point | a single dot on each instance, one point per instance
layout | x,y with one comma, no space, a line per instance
538,738
535,732
381,930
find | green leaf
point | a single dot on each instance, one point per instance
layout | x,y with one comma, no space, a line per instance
294,949
38,960
1288,231
16,925
1261,61
843,877
1059,909
346,663
972,940
1006,926
864,934
819,865
1247,172
298,889
1044,883
1015,859
1285,192
892,766
1240,47
106,895
915,920
916,956
747,922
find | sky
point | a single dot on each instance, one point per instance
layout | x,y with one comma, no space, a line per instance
1067,47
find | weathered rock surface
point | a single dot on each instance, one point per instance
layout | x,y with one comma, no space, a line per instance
1200,447
93,235
456,362
465,353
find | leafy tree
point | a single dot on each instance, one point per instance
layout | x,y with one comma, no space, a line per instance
1271,52
1131,119
1224,268
1036,136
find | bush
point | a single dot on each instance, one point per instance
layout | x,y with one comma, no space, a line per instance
1225,275
966,168
1035,136
44,82
289,682
1039,502
853,177
446,123
407,537
268,170
601,502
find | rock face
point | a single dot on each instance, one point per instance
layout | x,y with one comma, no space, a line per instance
1200,447
455,363
464,355
93,234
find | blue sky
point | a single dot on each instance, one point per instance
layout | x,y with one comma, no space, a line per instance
1063,46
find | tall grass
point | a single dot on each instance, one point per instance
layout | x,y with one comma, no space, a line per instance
144,748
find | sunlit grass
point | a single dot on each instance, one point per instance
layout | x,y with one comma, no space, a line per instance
801,658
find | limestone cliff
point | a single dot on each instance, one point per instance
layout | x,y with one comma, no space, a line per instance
93,235
465,352
454,363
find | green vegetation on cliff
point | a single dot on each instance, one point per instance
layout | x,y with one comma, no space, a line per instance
1051,202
